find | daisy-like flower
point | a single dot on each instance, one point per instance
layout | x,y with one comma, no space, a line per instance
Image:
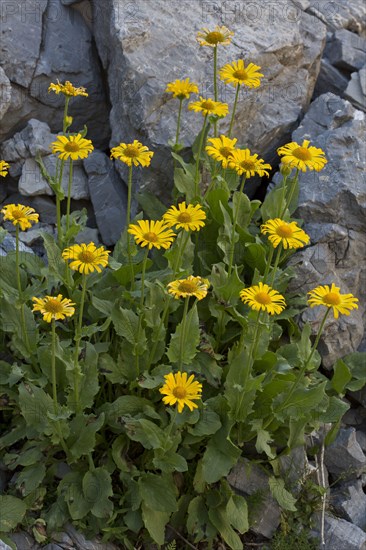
221,149
190,217
219,36
74,147
4,167
209,107
54,307
191,286
152,233
20,215
67,89
302,156
332,298
262,297
289,234
180,389
236,73
132,153
86,258
243,162
182,89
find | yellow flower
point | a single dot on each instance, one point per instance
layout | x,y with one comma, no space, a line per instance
302,156
190,217
331,297
152,233
244,162
132,153
86,258
54,307
236,73
209,107
67,89
178,389
220,35
191,286
4,167
287,233
74,147
182,89
221,149
20,215
262,297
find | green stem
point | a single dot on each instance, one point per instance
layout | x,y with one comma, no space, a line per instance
58,205
178,121
236,214
253,347
283,198
68,207
77,344
174,417
292,191
277,261
196,178
182,246
17,260
183,331
234,109
53,367
268,265
141,314
67,100
215,85
128,221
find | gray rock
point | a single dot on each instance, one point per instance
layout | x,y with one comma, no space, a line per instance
294,467
360,396
53,547
342,535
341,14
362,75
349,501
330,79
70,2
81,543
346,50
35,138
344,457
108,195
354,92
32,183
5,93
247,479
9,244
302,4
23,541
4,546
87,235
149,46
44,206
355,417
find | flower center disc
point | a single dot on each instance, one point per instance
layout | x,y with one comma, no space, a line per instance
151,237
17,214
86,257
263,298
131,152
208,105
240,74
179,392
225,152
332,299
184,217
53,306
72,147
302,153
284,231
248,165
214,37
187,286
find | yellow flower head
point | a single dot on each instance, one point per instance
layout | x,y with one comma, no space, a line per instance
191,286
331,297
20,215
182,89
190,217
178,389
74,147
219,36
262,297
243,162
302,156
152,234
221,149
4,167
54,307
209,107
289,234
86,258
132,153
236,73
67,89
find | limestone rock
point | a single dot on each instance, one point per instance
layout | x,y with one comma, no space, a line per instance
349,501
108,196
5,93
149,46
342,14
330,79
4,546
342,535
346,50
344,457
355,91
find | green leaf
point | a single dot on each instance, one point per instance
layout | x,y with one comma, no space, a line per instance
30,478
283,497
169,462
221,521
56,265
272,204
111,369
219,457
342,375
70,487
145,432
89,385
12,511
241,201
125,322
263,441
35,405
301,401
256,256
158,492
190,342
97,488
151,205
126,405
81,440
333,413
208,424
198,522
237,512
155,523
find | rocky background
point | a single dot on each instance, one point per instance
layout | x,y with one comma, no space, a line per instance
313,56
